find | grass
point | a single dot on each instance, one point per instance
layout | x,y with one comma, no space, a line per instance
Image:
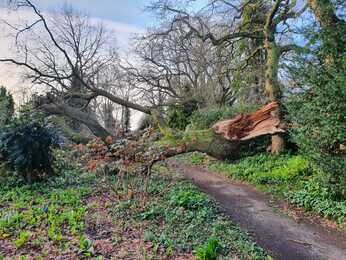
66,215
286,176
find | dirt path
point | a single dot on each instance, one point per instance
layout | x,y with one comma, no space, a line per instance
276,232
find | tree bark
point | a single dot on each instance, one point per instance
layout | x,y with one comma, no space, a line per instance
76,114
272,86
223,141
325,14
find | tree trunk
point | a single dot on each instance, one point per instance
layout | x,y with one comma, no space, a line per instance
272,86
76,114
273,91
325,13
223,141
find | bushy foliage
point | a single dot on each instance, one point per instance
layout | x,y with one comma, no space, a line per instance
189,199
179,114
314,196
318,113
40,214
27,148
6,106
205,118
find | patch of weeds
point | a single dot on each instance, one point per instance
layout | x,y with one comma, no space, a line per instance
22,239
197,158
187,197
151,213
265,169
53,208
149,236
85,246
208,251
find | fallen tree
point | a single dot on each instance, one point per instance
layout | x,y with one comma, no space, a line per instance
71,75
222,141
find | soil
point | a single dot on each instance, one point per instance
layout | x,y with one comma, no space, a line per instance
254,212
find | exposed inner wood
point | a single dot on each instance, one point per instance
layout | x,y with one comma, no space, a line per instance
248,126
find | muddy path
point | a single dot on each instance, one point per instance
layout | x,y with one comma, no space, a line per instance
281,235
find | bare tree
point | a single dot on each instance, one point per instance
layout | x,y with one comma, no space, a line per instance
276,17
68,54
179,68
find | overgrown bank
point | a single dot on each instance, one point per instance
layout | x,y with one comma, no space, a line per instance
80,214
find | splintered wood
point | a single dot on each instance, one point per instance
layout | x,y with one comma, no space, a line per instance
248,126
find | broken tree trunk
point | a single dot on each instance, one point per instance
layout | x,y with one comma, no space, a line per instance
249,126
222,141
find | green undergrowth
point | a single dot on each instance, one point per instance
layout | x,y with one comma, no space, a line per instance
53,217
54,209
181,219
287,176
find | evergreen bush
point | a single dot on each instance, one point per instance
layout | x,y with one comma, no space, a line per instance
27,148
317,111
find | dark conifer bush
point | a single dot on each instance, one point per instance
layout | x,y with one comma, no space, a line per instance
27,148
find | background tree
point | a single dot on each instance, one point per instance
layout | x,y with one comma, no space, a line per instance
6,107
68,59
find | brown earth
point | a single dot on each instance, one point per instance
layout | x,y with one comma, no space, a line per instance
276,232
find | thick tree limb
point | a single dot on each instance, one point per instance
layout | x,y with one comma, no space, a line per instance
78,115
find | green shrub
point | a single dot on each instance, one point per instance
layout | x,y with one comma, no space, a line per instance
23,238
318,113
205,118
179,115
27,148
209,251
187,197
6,106
197,158
86,247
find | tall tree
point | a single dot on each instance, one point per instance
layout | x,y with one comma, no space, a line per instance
277,14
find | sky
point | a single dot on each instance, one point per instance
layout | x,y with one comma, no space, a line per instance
129,12
125,17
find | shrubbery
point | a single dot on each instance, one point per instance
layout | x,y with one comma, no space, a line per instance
179,115
27,148
205,118
313,196
266,169
6,106
318,113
